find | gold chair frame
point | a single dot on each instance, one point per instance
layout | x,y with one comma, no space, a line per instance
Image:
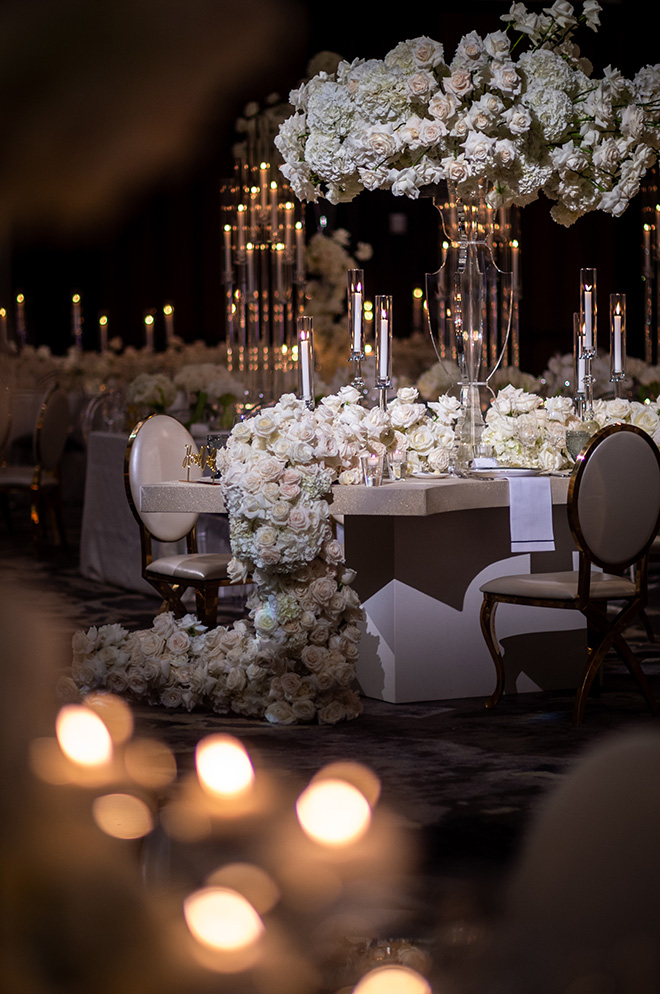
603,633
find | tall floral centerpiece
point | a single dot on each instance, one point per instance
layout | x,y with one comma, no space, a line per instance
518,111
510,115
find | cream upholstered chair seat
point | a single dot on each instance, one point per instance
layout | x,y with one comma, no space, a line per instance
614,513
561,586
200,566
155,453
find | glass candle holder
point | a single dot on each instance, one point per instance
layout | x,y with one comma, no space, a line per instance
396,464
372,469
356,313
617,336
306,359
588,311
383,334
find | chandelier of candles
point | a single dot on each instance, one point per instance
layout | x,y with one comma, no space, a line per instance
263,275
274,865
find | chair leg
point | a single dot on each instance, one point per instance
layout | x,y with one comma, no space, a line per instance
487,619
612,637
171,594
637,673
207,605
644,618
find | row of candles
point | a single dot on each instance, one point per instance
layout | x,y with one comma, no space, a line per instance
358,349
77,321
585,340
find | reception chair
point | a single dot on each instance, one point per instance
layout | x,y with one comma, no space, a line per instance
155,453
40,478
613,513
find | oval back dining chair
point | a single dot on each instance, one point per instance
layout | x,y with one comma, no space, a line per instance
155,454
613,513
40,478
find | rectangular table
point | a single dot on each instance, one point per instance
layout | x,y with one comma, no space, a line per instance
421,549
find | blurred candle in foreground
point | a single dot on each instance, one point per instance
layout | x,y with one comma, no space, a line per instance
3,328
222,919
393,979
83,736
333,813
223,766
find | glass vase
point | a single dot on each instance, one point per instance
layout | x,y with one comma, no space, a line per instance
469,303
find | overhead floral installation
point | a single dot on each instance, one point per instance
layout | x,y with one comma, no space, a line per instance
518,111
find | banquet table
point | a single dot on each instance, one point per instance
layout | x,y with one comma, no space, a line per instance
422,549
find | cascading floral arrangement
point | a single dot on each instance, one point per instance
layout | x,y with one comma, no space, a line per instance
518,124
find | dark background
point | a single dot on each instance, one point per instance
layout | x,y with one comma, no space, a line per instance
162,242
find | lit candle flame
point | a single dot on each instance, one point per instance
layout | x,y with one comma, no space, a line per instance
83,736
222,919
333,813
223,766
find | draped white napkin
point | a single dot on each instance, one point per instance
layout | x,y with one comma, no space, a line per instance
530,514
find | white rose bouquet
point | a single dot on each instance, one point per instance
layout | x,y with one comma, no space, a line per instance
524,430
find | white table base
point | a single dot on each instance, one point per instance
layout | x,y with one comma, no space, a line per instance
418,580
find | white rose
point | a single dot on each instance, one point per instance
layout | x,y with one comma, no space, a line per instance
459,83
421,439
178,642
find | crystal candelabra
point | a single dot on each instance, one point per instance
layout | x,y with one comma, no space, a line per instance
263,276
588,336
584,329
501,230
